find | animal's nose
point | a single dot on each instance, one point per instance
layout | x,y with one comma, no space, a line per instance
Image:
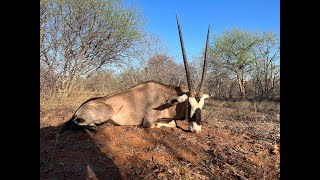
195,127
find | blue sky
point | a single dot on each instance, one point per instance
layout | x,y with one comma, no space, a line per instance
195,16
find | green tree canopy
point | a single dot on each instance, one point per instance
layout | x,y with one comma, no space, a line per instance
233,49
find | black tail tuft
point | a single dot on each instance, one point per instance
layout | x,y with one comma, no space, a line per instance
70,125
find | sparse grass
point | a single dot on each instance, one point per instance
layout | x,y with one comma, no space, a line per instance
264,106
75,99
243,110
56,109
260,122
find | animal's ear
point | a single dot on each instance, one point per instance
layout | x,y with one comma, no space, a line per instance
205,96
177,100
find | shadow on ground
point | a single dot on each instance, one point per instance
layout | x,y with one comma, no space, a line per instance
132,152
73,155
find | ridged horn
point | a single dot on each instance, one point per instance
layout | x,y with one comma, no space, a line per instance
204,69
189,81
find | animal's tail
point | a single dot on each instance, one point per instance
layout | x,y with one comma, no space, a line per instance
70,125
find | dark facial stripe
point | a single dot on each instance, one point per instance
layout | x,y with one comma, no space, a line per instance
198,116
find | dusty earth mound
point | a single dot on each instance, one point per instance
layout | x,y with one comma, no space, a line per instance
224,150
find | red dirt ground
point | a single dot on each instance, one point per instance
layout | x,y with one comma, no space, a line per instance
225,149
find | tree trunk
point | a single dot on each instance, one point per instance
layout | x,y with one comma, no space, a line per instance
41,34
241,82
230,90
219,92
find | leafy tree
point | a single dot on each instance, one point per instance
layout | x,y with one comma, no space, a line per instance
234,49
265,69
78,37
162,68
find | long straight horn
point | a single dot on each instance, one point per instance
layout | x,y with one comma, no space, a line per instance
189,81
203,77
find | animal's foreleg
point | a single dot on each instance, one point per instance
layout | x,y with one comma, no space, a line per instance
171,124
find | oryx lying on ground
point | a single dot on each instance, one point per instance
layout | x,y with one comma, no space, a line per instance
147,104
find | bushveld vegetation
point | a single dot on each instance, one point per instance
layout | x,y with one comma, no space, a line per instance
91,48
80,40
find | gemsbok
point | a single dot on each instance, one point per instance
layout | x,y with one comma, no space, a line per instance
148,104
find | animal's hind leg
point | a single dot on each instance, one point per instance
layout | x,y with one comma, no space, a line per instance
93,113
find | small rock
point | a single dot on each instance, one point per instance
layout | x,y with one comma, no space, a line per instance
47,170
245,136
239,177
161,174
